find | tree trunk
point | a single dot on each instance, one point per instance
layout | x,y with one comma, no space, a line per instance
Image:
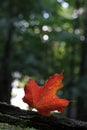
82,111
83,67
70,85
5,79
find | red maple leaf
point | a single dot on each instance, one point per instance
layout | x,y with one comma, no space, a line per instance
44,98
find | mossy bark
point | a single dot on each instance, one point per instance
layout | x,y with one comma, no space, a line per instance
18,117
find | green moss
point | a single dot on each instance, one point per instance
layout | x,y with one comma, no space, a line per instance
5,126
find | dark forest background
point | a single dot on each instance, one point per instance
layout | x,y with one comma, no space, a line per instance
41,38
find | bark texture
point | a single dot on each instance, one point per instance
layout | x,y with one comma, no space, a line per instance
16,116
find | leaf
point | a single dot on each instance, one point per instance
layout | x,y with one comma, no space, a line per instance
44,98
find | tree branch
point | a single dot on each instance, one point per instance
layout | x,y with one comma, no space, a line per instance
16,116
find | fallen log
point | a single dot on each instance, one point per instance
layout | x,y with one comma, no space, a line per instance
26,118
